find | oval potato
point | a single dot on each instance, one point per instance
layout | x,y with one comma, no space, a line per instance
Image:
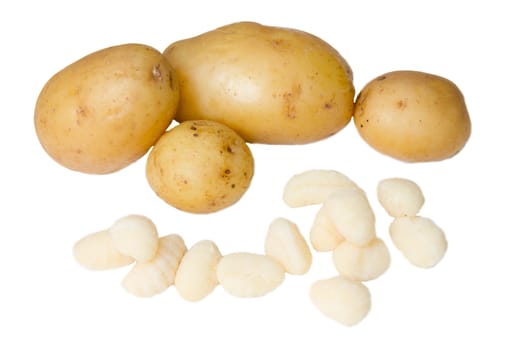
104,111
272,85
413,116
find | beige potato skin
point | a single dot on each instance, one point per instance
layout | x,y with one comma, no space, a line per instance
200,167
272,85
413,116
104,111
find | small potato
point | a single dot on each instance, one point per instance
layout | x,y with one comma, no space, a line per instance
135,236
96,252
271,85
400,197
200,167
197,275
341,299
413,116
104,111
249,275
314,186
285,243
421,241
361,263
352,216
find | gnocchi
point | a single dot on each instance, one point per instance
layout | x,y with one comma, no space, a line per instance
361,263
285,243
147,279
352,215
341,299
135,236
196,276
420,240
324,236
249,275
96,252
314,186
400,197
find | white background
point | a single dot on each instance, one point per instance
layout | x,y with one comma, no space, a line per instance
473,298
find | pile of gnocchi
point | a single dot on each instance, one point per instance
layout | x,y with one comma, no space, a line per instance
344,225
195,109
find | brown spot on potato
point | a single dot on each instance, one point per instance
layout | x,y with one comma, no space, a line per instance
276,42
290,99
196,135
156,73
170,79
81,115
227,171
383,77
402,104
327,105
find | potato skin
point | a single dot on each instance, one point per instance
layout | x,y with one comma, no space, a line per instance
200,167
413,116
271,85
104,111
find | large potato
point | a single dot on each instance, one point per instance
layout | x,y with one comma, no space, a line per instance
272,85
413,116
200,167
106,110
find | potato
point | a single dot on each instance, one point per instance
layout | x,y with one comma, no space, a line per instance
271,85
105,111
413,116
200,166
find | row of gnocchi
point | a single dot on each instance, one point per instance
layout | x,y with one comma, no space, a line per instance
161,262
344,225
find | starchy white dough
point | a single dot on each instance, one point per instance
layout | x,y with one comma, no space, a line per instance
351,215
323,234
361,263
314,186
96,252
197,276
285,243
341,299
400,197
147,279
420,240
135,236
249,275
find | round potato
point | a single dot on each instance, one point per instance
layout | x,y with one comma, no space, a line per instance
104,111
200,167
271,85
413,116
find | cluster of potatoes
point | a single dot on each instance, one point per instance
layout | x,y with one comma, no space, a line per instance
238,84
